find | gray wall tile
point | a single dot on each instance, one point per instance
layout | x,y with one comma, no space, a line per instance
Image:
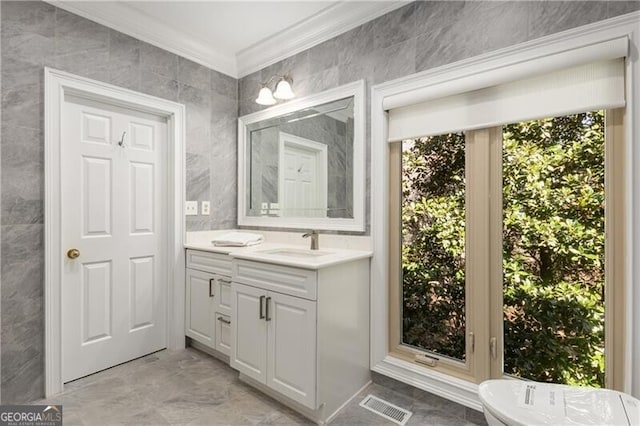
617,8
395,27
297,65
194,75
22,313
32,48
555,16
198,104
158,85
159,61
394,61
75,35
22,105
505,18
224,85
434,14
22,162
124,60
322,56
35,18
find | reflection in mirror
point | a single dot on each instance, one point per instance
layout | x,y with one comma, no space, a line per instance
301,164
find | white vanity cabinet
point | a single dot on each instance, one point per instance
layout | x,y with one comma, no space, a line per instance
302,334
208,299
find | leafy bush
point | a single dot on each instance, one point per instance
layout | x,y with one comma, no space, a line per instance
553,247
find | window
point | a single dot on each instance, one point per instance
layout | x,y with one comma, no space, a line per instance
499,263
433,249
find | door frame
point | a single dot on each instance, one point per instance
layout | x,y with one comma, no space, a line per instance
287,139
57,85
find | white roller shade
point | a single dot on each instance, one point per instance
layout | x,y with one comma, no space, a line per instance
587,87
456,79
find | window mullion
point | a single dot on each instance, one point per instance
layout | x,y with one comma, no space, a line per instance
614,250
478,179
495,305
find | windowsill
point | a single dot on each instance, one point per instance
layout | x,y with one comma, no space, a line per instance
443,385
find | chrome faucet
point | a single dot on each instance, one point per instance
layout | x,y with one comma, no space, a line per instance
314,239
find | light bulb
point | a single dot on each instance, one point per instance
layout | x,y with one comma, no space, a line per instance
283,90
265,97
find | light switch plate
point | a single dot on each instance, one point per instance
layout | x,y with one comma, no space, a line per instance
191,208
205,208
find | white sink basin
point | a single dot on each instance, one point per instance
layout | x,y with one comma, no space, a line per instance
300,253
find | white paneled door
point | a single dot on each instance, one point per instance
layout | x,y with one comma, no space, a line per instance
302,177
114,215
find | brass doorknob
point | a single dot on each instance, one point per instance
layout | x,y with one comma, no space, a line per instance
73,253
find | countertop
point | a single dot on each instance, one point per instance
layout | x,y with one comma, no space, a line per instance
260,253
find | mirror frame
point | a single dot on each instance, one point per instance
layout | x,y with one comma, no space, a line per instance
355,224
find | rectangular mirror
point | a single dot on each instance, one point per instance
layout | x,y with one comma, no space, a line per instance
301,164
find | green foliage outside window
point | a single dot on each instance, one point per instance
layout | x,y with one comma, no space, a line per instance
553,247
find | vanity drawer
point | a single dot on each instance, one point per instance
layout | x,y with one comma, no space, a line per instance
282,279
223,295
223,333
209,262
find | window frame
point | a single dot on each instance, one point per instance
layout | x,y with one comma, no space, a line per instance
483,253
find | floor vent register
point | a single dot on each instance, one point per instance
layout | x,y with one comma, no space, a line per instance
386,409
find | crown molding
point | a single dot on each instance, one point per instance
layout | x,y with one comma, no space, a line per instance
128,20
326,24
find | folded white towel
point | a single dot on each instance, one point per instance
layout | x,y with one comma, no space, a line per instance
238,239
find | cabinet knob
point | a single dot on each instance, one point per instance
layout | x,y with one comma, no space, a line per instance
73,253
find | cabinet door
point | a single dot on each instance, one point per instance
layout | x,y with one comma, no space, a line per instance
292,347
248,332
200,315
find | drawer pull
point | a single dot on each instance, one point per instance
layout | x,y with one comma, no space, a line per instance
268,318
261,307
211,287
224,320
222,280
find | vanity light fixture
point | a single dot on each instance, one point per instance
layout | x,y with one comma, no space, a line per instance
265,97
283,90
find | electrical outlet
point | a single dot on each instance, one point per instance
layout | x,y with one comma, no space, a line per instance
205,208
191,208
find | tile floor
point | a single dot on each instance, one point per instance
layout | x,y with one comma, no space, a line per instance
189,387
